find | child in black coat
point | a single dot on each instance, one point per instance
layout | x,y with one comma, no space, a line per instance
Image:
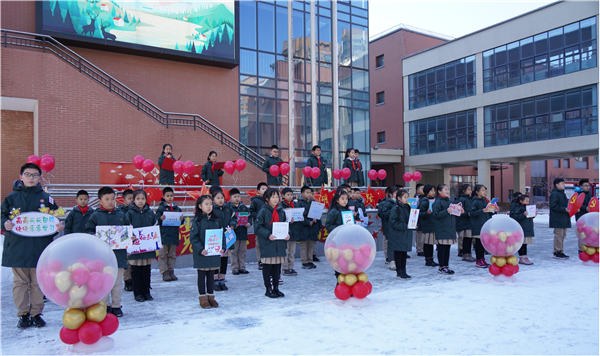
519,213
478,218
445,227
228,219
400,237
80,214
257,202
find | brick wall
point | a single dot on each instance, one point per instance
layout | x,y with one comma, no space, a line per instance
17,145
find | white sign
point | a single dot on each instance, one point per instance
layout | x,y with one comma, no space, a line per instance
297,214
280,230
34,224
145,239
364,218
414,217
172,218
316,210
213,242
531,211
117,237
347,217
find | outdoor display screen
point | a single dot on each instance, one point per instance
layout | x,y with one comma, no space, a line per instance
203,30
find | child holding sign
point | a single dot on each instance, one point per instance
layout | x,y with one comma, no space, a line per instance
166,176
383,211
297,229
445,227
521,215
141,215
210,174
242,214
272,250
463,224
127,200
107,215
80,214
206,265
337,207
258,201
427,224
312,229
479,216
400,237
169,235
228,219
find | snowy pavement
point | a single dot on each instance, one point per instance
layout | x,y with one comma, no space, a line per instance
551,307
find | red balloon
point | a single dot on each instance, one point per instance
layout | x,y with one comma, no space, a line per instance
417,176
508,270
407,177
274,170
307,171
109,325
148,165
372,174
584,256
342,291
178,167
381,174
370,286
68,336
229,167
596,258
285,168
47,164
495,270
517,269
360,290
188,167
90,332
138,162
346,173
33,159
48,156
337,174
316,172
240,164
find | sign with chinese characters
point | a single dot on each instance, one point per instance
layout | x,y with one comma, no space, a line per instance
34,224
117,237
145,239
213,242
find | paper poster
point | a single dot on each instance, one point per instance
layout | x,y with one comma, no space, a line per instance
172,218
490,208
431,201
242,218
531,211
316,210
168,164
281,230
117,237
347,217
413,219
213,240
229,238
363,217
456,209
413,202
297,214
34,224
145,239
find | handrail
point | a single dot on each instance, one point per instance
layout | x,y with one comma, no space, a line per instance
48,43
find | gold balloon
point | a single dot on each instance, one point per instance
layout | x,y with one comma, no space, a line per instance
76,293
341,278
352,267
75,305
583,248
102,302
362,277
590,251
63,281
500,261
73,318
493,259
348,254
351,280
512,260
110,270
335,254
96,312
74,266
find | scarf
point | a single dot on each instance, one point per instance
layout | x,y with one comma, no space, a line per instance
110,211
353,166
319,159
213,167
84,210
275,216
290,203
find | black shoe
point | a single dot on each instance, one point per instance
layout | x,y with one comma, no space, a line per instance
260,266
407,256
217,286
128,286
306,266
117,312
312,265
486,253
560,255
108,309
430,262
269,293
387,261
235,272
148,297
402,274
37,321
139,298
278,292
421,254
315,259
445,270
24,322
460,253
223,286
244,271
45,299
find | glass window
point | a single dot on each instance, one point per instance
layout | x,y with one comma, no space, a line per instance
381,137
282,30
297,34
379,60
440,134
248,24
266,27
324,39
581,163
247,62
266,64
248,120
360,129
344,44
360,80
380,97
360,47
266,121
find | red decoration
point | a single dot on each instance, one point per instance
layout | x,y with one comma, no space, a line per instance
596,257
495,270
316,172
229,167
34,159
407,177
251,193
90,332
188,167
240,164
154,194
360,290
372,174
593,205
178,167
274,170
47,164
417,176
370,286
47,156
138,162
68,336
342,291
337,174
508,270
346,173
284,169
148,165
307,171
109,325
381,174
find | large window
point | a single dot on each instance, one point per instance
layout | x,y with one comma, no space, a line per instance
560,51
447,82
562,114
452,132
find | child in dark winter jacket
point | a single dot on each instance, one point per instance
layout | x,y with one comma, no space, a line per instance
519,213
350,163
479,203
312,229
210,175
427,224
463,224
165,176
316,160
400,237
296,231
560,219
229,220
204,220
79,216
169,236
238,254
445,227
272,160
383,211
127,200
141,215
258,201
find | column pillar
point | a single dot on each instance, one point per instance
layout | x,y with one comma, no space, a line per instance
291,109
519,177
334,70
446,177
483,174
313,76
412,183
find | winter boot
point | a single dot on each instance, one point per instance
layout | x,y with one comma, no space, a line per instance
128,286
467,257
223,286
278,292
217,286
481,263
211,300
524,260
430,262
37,321
204,303
269,293
166,276
393,265
315,259
173,277
402,274
24,321
117,312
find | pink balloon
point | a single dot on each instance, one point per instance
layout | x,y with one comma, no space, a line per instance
342,263
366,250
346,173
62,299
316,172
55,265
148,165
178,167
47,164
510,240
579,222
107,284
372,174
587,229
95,281
34,159
80,275
138,162
95,266
307,171
337,174
344,246
285,168
417,176
359,258
229,167
93,297
579,228
274,170
48,156
407,177
381,174
240,164
83,260
188,167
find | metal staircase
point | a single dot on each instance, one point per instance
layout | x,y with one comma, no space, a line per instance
49,44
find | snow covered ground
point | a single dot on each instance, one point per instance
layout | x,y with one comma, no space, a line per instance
550,308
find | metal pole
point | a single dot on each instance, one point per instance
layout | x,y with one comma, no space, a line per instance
313,76
291,106
334,70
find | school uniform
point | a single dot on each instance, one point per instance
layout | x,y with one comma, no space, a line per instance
383,211
115,217
400,237
77,218
140,262
165,177
169,236
272,252
418,231
238,253
256,203
272,180
360,175
427,225
319,162
351,165
445,229
478,218
518,213
334,217
210,175
297,230
559,217
206,265
463,227
228,218
309,239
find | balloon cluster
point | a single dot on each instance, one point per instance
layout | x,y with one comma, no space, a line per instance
350,250
276,170
145,164
587,231
373,174
230,167
415,176
339,174
502,237
76,272
313,172
46,162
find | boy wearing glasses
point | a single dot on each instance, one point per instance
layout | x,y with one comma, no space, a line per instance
22,253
